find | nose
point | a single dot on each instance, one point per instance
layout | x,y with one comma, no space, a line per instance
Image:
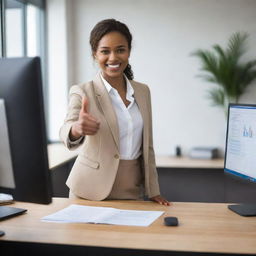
112,56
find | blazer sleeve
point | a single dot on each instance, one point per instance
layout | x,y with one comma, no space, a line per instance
75,101
154,189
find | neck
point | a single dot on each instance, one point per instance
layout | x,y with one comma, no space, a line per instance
118,83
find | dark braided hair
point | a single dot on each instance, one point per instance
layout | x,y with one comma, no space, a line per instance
110,25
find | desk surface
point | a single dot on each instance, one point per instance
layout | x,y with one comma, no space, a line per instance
187,162
58,154
203,228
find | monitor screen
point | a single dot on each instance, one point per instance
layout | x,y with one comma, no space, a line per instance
6,170
240,157
24,167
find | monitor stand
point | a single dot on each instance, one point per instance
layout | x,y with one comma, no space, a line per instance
246,210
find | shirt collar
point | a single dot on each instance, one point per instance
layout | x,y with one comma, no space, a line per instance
129,92
106,83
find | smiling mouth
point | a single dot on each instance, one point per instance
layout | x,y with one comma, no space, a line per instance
113,66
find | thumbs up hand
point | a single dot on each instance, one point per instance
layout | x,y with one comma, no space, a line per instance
86,123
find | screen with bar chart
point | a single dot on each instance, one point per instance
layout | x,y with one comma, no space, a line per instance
241,142
240,153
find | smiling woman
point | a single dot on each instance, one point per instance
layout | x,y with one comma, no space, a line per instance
112,55
110,117
101,31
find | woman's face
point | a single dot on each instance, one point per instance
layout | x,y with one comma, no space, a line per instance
112,55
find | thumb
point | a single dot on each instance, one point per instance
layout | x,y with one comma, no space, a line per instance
85,105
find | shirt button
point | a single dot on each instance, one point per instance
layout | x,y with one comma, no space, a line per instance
116,156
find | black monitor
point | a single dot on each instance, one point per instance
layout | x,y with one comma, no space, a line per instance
24,170
240,153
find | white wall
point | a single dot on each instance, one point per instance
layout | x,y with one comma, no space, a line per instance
165,33
58,65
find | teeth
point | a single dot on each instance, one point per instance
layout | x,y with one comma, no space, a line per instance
114,66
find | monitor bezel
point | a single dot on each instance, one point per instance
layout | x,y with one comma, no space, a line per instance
227,171
35,185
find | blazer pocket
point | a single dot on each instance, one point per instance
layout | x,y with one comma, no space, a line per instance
86,161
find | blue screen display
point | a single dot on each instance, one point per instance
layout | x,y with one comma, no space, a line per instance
240,157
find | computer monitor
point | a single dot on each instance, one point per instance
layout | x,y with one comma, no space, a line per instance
240,153
24,170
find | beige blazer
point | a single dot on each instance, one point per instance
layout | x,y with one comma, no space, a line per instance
94,171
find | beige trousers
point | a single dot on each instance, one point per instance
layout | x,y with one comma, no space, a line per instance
128,182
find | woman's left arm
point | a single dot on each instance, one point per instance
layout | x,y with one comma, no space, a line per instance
158,198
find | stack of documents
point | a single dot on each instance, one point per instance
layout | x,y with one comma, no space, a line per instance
103,215
6,199
203,152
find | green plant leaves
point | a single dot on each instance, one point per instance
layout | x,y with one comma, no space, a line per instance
224,68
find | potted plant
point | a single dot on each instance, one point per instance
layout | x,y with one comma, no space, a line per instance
224,68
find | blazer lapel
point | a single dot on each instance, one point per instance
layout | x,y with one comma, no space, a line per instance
142,104
107,108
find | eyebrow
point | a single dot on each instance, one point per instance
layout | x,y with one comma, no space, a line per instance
119,46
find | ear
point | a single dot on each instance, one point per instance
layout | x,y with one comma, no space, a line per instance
94,56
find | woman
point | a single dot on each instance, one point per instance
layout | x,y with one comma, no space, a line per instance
110,117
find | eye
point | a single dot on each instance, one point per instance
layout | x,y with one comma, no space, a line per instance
105,52
121,50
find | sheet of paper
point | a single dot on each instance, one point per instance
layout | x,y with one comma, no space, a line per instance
103,215
132,218
79,213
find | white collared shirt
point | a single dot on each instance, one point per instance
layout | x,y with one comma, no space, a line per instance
130,121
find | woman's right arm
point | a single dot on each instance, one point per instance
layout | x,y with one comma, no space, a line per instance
78,122
86,123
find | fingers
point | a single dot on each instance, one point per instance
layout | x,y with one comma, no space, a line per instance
161,200
87,124
91,118
165,202
81,128
85,109
85,105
